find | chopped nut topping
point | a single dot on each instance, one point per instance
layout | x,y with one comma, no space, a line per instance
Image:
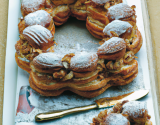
65,64
101,62
128,57
114,65
68,76
114,34
25,50
101,77
59,74
22,37
107,5
99,68
67,57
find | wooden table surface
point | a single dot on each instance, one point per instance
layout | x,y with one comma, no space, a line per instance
154,13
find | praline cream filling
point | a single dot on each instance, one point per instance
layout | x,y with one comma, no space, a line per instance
26,51
70,75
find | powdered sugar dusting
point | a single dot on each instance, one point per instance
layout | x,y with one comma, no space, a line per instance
112,45
39,17
134,109
120,11
119,27
26,117
100,1
69,100
83,59
32,5
38,34
74,37
50,59
116,119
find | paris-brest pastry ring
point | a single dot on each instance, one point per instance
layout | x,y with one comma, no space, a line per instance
87,74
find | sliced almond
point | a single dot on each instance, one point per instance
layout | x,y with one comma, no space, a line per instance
65,64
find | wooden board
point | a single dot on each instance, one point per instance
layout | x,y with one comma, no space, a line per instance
3,40
152,62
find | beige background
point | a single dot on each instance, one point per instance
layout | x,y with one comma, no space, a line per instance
154,13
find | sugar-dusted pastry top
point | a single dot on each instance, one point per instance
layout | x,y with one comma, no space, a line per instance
120,11
80,62
83,60
116,119
39,17
117,26
100,1
38,36
134,109
32,5
112,45
98,17
49,60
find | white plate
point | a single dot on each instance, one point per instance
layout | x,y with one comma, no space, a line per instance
11,73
